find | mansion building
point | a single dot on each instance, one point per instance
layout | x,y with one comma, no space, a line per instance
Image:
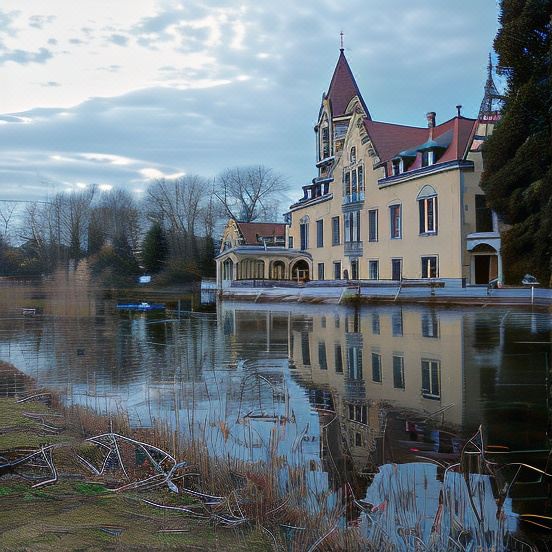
389,202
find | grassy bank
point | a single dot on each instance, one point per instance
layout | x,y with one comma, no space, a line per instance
220,504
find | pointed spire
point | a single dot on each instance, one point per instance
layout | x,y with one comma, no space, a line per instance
492,100
343,87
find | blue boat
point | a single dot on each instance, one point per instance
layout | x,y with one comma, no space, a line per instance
141,307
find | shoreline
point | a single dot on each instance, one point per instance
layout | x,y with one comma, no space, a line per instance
364,295
216,503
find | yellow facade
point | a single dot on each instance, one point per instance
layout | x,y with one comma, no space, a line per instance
349,146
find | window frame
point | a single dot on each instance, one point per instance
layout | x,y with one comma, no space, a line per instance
430,393
320,271
336,265
336,231
377,357
398,382
371,263
425,229
428,258
395,221
320,233
373,225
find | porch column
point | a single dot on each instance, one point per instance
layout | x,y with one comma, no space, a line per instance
499,267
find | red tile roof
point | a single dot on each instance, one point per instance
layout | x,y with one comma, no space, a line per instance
251,231
390,139
343,88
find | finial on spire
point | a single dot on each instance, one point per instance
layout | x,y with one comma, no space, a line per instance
341,41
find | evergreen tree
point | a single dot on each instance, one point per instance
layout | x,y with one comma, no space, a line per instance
518,156
155,249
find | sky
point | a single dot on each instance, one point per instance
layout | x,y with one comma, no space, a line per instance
117,93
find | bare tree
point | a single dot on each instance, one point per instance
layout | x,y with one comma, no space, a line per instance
250,193
178,205
7,210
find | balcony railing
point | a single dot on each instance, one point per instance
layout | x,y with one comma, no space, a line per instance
355,197
353,248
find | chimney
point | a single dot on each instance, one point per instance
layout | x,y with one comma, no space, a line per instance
431,119
458,110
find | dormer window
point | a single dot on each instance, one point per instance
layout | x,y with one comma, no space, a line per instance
428,158
398,166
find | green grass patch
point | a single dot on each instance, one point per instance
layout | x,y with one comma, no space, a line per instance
90,489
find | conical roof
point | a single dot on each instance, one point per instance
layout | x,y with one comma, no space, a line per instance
343,88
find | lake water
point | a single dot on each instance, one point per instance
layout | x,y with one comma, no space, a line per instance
388,390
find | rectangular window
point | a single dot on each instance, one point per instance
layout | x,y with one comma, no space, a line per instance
428,215
396,269
352,226
354,188
375,323
354,363
304,231
305,348
373,270
290,242
398,372
338,359
483,215
354,269
431,379
429,267
358,413
337,270
322,360
397,323
348,223
336,238
396,166
396,224
319,233
320,271
430,325
360,179
347,184
376,368
373,225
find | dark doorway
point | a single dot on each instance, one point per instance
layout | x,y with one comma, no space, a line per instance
486,268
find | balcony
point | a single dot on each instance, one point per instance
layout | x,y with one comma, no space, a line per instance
355,197
353,249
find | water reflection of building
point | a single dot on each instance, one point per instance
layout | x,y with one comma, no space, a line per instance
357,365
408,358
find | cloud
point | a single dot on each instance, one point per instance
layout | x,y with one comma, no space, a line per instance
202,85
24,57
118,39
7,20
41,21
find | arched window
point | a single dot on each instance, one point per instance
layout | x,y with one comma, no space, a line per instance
427,206
278,270
228,270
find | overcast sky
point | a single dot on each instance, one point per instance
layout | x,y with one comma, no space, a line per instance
116,92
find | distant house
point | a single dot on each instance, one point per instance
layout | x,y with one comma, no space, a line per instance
258,250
